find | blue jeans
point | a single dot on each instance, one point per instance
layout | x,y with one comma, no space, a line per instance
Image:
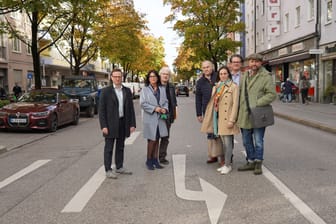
253,140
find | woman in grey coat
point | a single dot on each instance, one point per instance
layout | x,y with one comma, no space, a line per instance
154,103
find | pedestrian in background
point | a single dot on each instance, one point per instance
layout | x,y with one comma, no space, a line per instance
221,115
287,89
154,103
117,122
256,86
304,85
202,96
17,90
236,63
172,104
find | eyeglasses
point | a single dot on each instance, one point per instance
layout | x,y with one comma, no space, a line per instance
152,76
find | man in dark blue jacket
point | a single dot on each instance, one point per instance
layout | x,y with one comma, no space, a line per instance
203,94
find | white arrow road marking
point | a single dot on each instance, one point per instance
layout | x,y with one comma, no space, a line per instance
131,139
81,198
35,165
214,198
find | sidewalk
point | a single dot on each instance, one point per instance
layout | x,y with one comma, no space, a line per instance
316,115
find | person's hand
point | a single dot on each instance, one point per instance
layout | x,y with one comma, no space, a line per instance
163,111
158,109
200,119
230,124
132,129
105,131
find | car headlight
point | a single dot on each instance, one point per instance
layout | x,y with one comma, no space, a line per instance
3,113
84,98
40,114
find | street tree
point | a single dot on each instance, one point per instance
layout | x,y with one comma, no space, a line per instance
79,43
205,26
42,15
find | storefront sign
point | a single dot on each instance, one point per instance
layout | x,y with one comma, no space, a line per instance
297,47
273,14
283,51
273,29
273,2
316,51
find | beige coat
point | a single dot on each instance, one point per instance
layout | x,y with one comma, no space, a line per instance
227,111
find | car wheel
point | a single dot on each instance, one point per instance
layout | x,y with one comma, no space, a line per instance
96,109
76,118
187,95
53,123
90,111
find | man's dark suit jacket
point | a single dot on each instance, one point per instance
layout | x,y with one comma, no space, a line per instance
109,111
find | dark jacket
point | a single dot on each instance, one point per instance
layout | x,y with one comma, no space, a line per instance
203,93
172,102
109,111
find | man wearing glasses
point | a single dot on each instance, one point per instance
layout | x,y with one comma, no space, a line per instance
117,122
236,63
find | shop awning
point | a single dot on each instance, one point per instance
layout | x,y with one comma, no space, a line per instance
291,58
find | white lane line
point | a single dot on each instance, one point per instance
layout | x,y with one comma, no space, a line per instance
81,198
132,138
35,165
303,208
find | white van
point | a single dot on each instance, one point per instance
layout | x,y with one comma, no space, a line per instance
135,88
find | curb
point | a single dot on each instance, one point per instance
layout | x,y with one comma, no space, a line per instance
307,123
3,149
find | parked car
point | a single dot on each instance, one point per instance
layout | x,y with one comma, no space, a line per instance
45,109
135,88
85,90
182,90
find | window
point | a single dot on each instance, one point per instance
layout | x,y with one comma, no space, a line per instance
262,7
329,11
286,22
2,47
18,76
28,47
16,45
297,17
262,36
311,10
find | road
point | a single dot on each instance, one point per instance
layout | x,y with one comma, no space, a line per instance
57,178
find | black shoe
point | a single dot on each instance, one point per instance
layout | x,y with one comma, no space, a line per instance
164,161
212,160
156,164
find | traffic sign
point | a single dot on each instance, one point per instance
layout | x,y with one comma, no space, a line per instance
29,75
316,51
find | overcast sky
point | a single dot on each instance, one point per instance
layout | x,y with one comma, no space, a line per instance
155,15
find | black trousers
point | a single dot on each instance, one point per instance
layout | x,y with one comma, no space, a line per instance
120,145
164,141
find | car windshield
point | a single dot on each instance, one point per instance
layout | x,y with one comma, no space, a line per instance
73,83
39,97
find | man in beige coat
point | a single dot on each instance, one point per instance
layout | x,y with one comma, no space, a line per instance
260,92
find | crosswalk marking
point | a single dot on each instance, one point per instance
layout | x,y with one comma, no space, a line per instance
81,198
132,138
37,164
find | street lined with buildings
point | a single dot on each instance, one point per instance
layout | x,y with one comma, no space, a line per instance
48,182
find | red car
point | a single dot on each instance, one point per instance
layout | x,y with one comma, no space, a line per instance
44,109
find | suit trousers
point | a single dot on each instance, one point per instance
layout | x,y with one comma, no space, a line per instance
120,145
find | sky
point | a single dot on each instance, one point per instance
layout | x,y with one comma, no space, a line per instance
155,15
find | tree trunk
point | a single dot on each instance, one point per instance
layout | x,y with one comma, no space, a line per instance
35,51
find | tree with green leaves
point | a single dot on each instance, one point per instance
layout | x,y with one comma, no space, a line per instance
205,26
42,15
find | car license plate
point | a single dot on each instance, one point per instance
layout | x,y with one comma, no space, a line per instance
18,120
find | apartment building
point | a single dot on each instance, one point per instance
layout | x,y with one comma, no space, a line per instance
16,64
296,38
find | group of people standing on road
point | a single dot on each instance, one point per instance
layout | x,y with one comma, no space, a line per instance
117,119
222,106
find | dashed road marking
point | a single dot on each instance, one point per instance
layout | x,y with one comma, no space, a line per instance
132,138
35,165
82,197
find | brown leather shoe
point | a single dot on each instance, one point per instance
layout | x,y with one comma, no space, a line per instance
212,160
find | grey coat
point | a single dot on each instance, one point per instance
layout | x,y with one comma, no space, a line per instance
151,119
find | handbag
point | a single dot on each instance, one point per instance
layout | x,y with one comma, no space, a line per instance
259,116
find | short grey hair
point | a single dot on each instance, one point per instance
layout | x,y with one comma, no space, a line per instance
165,70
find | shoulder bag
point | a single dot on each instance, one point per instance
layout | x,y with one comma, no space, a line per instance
259,116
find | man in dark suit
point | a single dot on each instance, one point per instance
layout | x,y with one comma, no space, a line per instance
117,122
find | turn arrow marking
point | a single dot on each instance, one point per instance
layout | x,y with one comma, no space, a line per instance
214,198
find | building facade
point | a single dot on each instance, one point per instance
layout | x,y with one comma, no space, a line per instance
293,37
